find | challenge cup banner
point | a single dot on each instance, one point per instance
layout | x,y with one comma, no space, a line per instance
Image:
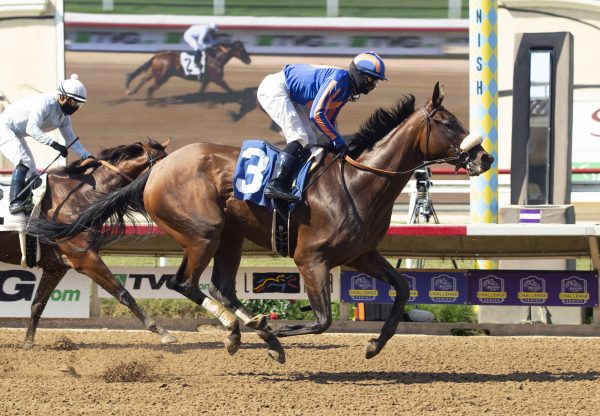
533,288
479,287
439,287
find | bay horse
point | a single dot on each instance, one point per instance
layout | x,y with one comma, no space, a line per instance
345,212
164,65
69,190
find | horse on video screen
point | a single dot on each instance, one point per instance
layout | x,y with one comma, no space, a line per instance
164,65
345,213
69,191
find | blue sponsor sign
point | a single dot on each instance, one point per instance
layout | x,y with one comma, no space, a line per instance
533,288
438,287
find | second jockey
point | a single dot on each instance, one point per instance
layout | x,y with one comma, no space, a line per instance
200,38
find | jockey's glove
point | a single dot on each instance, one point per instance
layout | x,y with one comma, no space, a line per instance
341,146
59,148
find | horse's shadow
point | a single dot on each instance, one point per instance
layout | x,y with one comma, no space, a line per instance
246,99
374,378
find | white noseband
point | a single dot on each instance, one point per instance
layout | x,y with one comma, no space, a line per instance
470,142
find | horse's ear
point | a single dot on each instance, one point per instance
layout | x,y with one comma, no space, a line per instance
438,95
165,144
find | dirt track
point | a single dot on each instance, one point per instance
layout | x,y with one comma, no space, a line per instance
109,118
326,374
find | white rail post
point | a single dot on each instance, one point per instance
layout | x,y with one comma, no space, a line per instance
108,5
333,8
454,9
219,7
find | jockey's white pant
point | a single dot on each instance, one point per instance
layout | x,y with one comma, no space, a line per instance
293,118
16,149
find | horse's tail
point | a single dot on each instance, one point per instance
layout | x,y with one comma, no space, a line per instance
114,208
142,68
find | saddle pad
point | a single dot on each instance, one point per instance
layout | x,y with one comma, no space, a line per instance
254,168
9,222
189,64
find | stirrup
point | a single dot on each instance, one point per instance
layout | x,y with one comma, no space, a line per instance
275,193
17,207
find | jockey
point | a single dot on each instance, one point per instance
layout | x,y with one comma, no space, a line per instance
302,97
200,38
34,116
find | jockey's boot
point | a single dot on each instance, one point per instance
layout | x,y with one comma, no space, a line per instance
278,187
19,203
198,61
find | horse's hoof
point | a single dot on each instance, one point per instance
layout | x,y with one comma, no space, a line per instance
167,338
258,322
127,92
27,345
372,349
232,344
278,356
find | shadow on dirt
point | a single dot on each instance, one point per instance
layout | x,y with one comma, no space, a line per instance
366,378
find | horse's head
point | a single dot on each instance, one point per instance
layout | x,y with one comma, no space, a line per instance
239,51
134,159
445,137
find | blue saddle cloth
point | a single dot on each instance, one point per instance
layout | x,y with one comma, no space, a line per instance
253,172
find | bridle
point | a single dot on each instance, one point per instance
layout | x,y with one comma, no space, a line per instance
462,156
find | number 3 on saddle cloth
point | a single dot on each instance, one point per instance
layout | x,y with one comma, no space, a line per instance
252,174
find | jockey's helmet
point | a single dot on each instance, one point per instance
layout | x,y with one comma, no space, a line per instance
213,27
73,88
365,70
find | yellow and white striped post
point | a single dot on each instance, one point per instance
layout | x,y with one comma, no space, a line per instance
483,79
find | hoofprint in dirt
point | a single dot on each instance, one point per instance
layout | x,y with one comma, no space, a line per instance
106,372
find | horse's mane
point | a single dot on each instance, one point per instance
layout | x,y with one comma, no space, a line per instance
381,122
112,155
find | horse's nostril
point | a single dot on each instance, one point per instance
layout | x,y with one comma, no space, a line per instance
487,158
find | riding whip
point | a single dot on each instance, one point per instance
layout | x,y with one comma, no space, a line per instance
32,179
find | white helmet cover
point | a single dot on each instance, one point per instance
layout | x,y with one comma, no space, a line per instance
73,88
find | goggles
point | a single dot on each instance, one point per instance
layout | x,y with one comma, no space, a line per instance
72,102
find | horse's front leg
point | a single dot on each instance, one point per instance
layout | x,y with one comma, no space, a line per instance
375,265
220,81
51,277
317,281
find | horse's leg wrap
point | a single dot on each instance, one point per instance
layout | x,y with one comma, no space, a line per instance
255,322
220,312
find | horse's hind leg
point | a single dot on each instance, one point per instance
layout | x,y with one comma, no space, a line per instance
145,78
50,279
226,264
159,79
180,283
90,264
374,264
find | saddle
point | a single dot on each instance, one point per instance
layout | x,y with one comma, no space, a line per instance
29,244
252,174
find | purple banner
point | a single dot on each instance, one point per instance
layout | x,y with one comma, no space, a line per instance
533,288
480,287
439,287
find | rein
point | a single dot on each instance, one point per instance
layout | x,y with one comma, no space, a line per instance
427,118
151,162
